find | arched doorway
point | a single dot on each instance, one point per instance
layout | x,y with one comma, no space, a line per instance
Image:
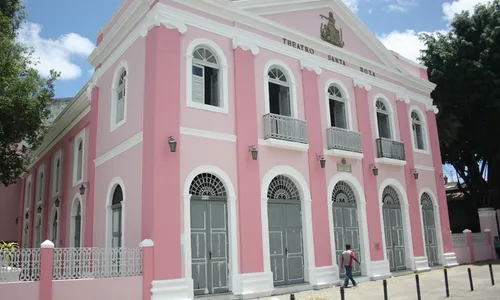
116,217
209,234
77,224
285,231
393,228
345,224
429,223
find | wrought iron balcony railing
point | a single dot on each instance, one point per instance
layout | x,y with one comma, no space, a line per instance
390,149
343,139
285,128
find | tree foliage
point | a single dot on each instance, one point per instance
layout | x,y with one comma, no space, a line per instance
465,65
24,95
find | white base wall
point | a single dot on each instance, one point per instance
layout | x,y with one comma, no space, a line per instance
378,269
421,264
450,259
175,289
323,277
253,285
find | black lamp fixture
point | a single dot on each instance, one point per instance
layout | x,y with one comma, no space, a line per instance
322,160
374,169
83,188
415,173
26,215
39,209
172,143
17,220
57,202
254,152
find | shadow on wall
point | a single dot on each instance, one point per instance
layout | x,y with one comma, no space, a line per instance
9,211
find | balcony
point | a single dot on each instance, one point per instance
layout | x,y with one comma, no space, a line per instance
343,139
387,148
285,128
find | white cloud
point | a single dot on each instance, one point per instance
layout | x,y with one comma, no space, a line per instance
352,4
401,5
56,54
457,6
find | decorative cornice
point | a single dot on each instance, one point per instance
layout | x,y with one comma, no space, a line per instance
157,19
433,108
403,96
362,83
93,82
310,66
245,45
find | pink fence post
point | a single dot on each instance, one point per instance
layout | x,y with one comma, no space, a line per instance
470,244
147,267
46,269
490,242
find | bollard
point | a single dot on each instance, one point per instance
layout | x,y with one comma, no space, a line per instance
292,297
385,289
491,275
446,283
417,282
470,280
342,293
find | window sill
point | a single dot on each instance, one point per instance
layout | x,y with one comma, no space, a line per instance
115,126
284,144
343,153
390,161
216,109
421,151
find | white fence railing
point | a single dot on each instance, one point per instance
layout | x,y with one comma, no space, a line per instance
459,240
78,263
19,265
480,238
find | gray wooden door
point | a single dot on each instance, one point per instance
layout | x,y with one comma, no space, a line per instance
393,228
345,224
285,241
285,231
429,230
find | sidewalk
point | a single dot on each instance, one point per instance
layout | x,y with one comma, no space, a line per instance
431,286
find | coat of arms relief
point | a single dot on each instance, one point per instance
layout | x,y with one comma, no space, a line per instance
330,33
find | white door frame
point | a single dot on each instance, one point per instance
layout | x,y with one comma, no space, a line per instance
437,224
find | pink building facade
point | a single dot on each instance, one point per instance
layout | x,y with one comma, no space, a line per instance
250,141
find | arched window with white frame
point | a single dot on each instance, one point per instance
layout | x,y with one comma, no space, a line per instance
417,130
26,232
27,193
383,119
40,185
116,217
54,227
206,77
338,107
79,161
119,98
38,231
279,92
76,223
57,176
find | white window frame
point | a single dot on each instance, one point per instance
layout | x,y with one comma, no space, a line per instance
77,198
390,113
425,133
52,215
28,193
26,237
109,217
76,141
223,79
40,185
39,217
56,178
292,84
346,99
113,125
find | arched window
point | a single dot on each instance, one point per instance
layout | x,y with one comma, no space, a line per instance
121,91
55,228
79,162
26,233
383,120
417,128
38,231
57,175
279,92
206,87
116,217
337,103
76,222
27,193
40,188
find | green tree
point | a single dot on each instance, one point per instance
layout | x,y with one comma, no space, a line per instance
24,95
465,65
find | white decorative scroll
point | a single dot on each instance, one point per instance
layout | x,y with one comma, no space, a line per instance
310,66
93,83
362,83
403,96
158,19
433,108
245,45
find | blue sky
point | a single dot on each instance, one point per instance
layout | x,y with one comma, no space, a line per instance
63,32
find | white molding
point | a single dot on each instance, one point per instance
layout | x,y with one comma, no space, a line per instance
450,259
123,65
403,199
208,134
284,144
402,96
223,83
425,130
390,161
119,149
253,285
146,243
362,83
378,269
57,156
292,85
307,231
311,66
117,181
421,263
432,108
156,19
425,168
53,211
47,245
245,45
437,223
392,114
406,60
76,141
268,7
40,185
232,215
77,198
359,193
173,289
347,100
343,153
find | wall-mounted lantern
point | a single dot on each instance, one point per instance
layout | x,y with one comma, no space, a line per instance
322,161
254,152
172,143
83,187
374,169
415,173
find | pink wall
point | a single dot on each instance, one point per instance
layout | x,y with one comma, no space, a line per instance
19,290
126,288
9,202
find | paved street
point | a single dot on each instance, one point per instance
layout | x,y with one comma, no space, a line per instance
431,287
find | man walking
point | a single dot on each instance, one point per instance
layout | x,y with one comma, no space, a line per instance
347,258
